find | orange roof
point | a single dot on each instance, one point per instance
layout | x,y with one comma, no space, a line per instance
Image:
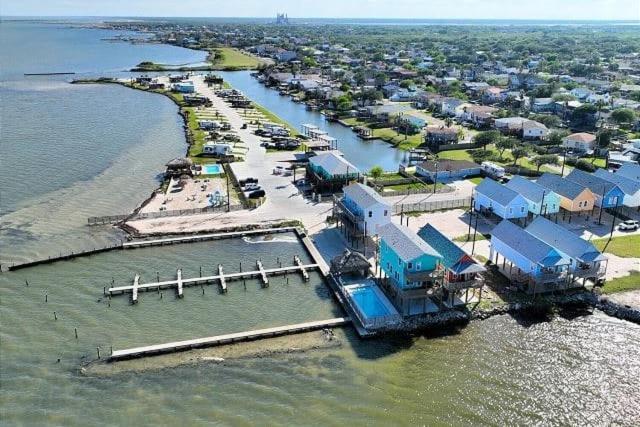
582,137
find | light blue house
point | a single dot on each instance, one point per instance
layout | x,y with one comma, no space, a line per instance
587,262
527,261
494,198
412,267
607,194
541,200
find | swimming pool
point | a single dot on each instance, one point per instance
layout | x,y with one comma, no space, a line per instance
213,169
369,300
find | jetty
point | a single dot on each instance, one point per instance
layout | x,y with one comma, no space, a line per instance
221,278
63,73
171,347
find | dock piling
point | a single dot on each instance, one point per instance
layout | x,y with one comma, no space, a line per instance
75,330
55,316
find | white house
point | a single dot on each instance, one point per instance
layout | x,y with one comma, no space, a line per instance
449,106
534,130
580,141
365,203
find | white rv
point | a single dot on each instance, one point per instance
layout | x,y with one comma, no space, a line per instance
217,149
208,124
493,170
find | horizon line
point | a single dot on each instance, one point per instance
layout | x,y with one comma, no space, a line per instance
324,17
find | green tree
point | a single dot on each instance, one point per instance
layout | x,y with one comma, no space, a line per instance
518,153
623,115
504,144
545,159
376,172
486,138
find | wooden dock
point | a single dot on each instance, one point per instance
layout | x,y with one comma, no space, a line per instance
221,278
204,237
227,339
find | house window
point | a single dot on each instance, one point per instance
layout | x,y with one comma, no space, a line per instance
510,210
399,261
410,266
385,212
370,214
418,265
521,208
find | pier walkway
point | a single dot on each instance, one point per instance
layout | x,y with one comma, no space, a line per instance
179,283
227,339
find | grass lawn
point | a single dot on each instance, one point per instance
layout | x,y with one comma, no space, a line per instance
477,180
230,58
623,246
411,186
352,121
275,119
391,136
455,155
469,237
621,284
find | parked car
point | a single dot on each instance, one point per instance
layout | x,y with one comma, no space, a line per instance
256,194
246,181
629,225
278,170
251,186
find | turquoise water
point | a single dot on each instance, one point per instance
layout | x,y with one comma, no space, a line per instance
211,169
368,302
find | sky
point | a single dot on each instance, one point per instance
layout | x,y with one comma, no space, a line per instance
395,9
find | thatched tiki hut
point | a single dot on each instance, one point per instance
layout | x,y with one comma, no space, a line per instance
179,166
352,263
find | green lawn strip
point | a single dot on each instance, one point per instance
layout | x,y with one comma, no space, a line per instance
477,180
275,119
230,58
623,246
469,237
621,284
399,141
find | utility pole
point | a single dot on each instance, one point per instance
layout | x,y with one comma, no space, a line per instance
601,205
564,160
475,230
435,179
228,194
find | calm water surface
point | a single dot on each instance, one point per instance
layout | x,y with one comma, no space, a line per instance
67,154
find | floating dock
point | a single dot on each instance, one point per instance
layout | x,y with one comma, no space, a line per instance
179,283
171,347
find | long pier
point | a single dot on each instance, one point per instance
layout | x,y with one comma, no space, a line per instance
179,283
171,347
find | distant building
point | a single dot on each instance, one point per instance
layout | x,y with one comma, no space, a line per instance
574,197
541,200
329,172
443,170
583,142
607,194
366,209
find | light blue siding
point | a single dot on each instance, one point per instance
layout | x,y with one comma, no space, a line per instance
395,268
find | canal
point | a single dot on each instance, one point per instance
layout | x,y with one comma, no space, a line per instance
363,154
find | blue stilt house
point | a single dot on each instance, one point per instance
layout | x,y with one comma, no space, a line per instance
413,269
527,261
492,197
607,194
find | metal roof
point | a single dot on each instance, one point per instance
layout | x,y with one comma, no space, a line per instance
364,196
630,170
453,257
406,244
596,184
496,192
561,186
564,240
526,244
334,164
627,185
528,189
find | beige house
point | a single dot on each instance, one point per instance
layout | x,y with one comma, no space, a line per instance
573,196
580,141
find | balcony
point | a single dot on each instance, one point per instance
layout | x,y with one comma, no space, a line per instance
424,276
592,271
476,282
356,219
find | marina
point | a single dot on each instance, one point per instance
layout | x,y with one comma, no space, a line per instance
179,283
